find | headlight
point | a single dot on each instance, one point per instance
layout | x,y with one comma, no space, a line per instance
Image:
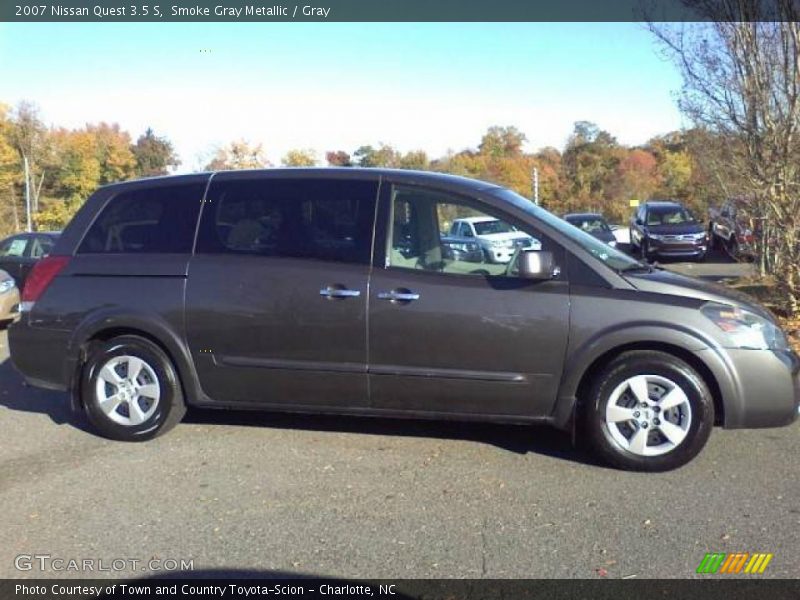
612,243
746,329
699,236
6,285
655,236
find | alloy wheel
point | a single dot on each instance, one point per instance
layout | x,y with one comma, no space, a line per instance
648,415
127,390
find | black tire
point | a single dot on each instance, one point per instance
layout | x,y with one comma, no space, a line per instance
169,408
597,431
643,251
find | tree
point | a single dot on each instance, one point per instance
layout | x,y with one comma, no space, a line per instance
590,162
78,168
502,141
338,158
10,176
416,159
551,192
28,135
741,82
238,155
382,156
637,175
299,158
154,155
117,161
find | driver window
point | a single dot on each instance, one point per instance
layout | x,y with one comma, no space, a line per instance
479,243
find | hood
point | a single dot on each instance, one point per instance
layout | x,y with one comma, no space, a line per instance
660,281
508,235
605,236
677,229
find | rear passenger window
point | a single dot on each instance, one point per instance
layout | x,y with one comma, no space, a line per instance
319,219
147,221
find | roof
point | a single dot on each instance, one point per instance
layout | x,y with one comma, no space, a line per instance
664,203
483,219
442,180
587,215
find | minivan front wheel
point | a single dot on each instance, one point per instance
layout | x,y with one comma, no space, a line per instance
648,411
130,389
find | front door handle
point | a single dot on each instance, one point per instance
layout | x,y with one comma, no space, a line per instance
333,291
398,296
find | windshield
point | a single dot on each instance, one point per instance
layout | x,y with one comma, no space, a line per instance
489,227
669,215
589,224
612,257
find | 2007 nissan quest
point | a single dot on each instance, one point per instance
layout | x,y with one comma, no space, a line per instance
331,290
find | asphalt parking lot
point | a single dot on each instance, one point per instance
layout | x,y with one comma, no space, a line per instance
262,494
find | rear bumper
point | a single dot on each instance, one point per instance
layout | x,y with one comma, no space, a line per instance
759,388
41,355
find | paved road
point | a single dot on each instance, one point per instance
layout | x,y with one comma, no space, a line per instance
376,498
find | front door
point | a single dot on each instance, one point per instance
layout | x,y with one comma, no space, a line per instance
455,332
277,291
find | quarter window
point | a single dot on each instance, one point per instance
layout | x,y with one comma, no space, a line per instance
156,220
322,219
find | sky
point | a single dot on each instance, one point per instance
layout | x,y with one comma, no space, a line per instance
330,86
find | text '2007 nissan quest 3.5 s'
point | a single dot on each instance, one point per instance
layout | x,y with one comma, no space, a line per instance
341,291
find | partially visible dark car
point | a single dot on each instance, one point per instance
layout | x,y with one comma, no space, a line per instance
729,227
455,248
667,229
594,224
20,252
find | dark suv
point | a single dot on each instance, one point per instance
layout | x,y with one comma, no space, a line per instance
667,229
329,290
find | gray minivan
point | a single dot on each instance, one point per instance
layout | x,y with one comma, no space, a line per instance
328,291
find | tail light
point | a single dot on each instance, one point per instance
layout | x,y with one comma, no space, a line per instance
748,237
40,278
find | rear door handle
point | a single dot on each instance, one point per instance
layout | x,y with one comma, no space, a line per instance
398,296
333,291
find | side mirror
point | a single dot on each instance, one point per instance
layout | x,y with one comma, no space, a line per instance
536,264
639,222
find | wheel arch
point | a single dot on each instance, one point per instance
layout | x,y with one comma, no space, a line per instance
103,327
576,383
690,358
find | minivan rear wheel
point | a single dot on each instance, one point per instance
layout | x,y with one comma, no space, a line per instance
130,389
648,411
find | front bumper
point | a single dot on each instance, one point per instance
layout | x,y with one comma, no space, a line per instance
671,248
759,388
